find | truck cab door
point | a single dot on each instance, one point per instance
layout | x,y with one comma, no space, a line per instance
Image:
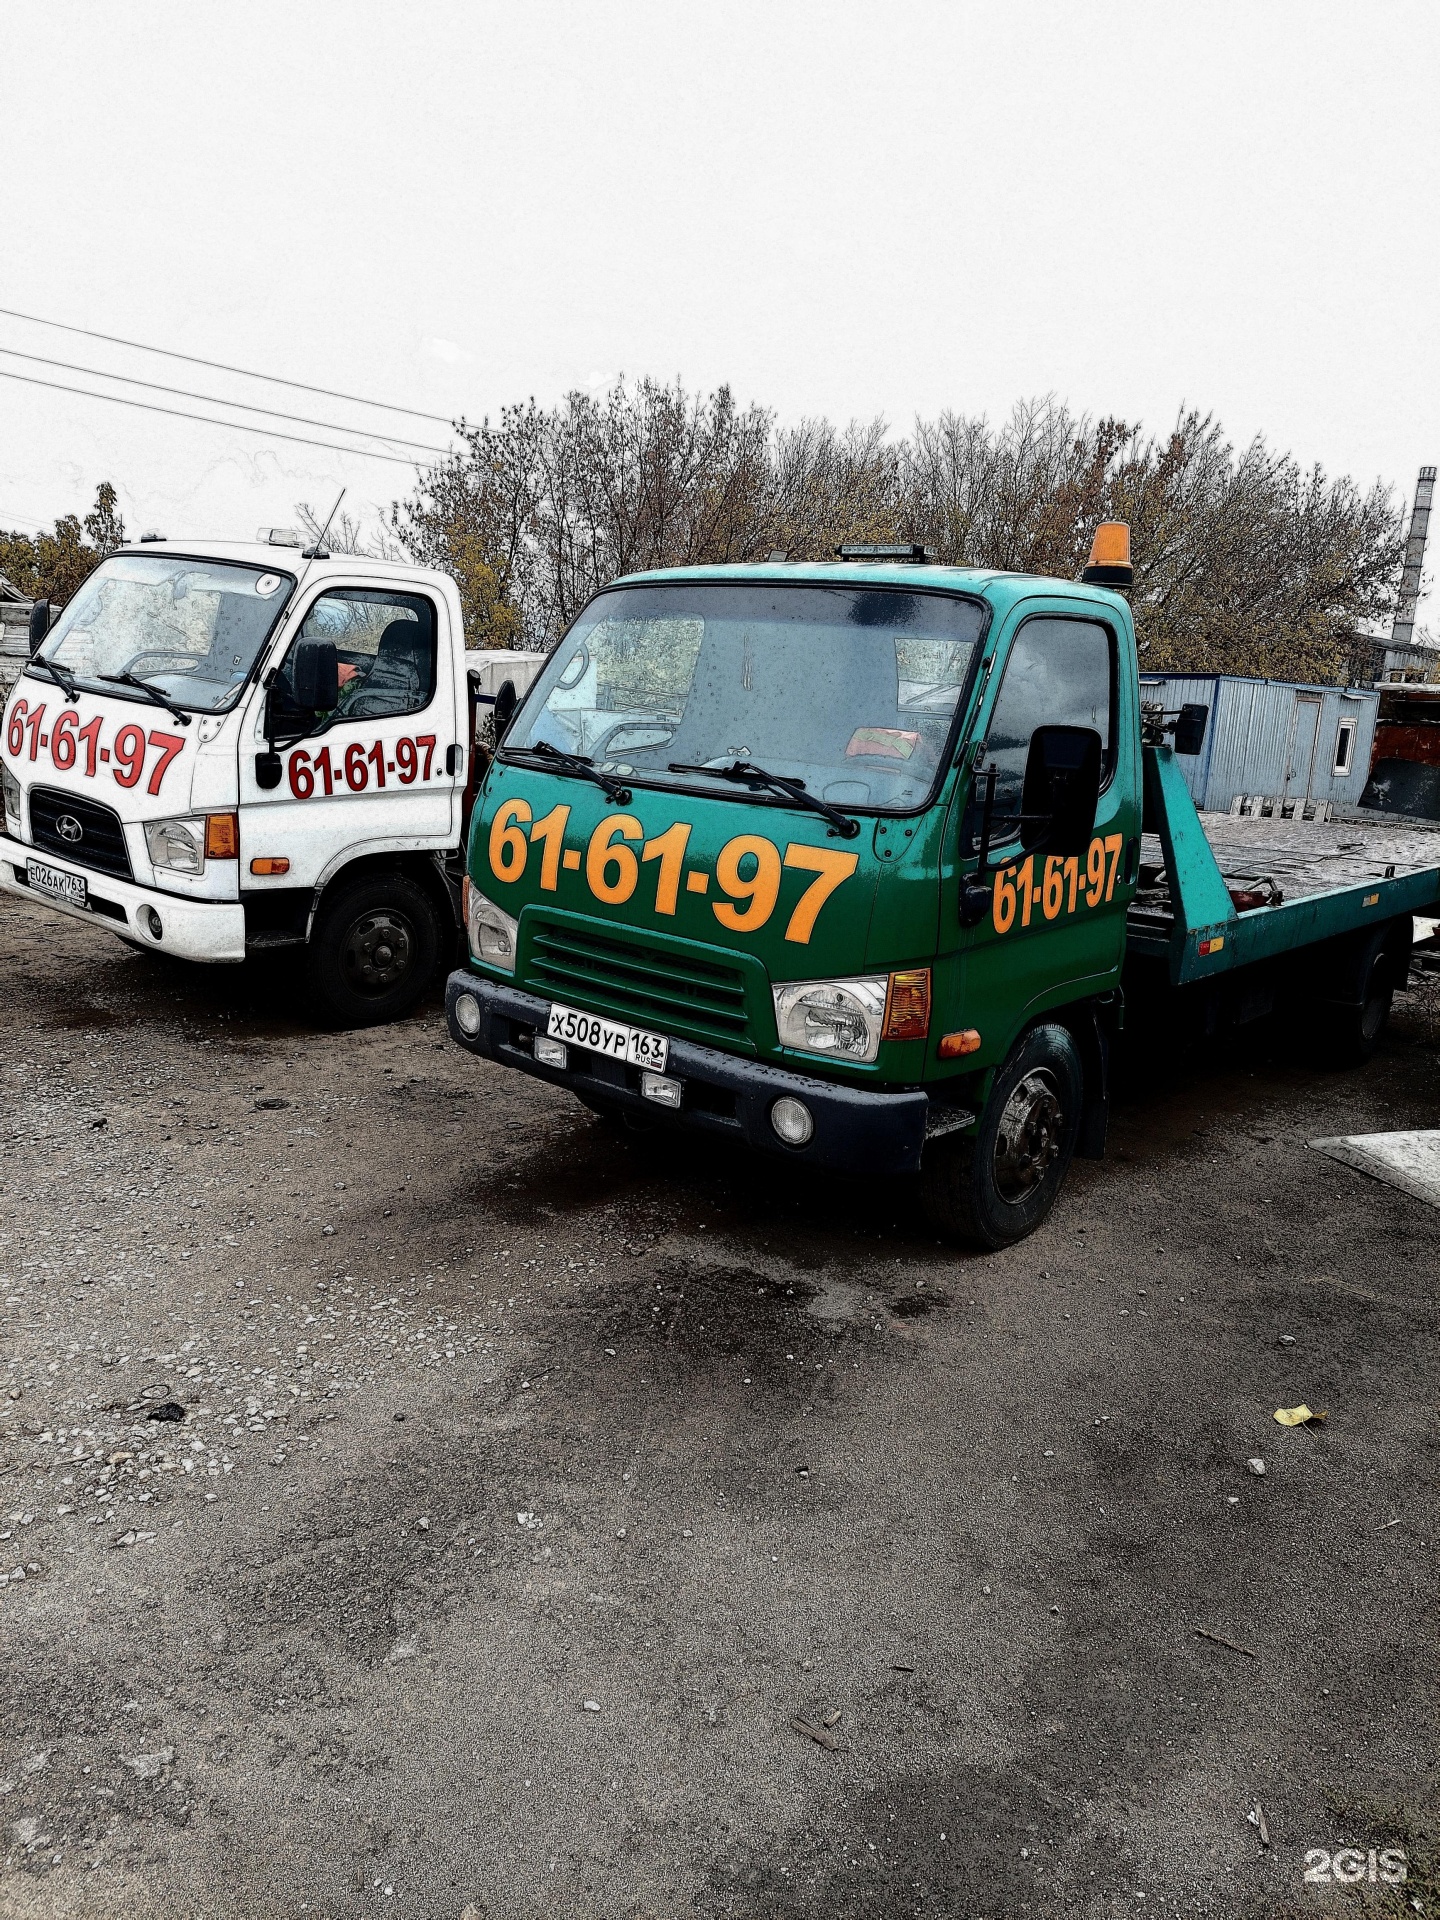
377,773
1055,925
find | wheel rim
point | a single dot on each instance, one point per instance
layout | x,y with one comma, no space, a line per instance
1027,1142
377,951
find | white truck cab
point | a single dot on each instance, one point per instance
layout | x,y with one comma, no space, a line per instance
225,748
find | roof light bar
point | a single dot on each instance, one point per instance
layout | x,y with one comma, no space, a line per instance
915,551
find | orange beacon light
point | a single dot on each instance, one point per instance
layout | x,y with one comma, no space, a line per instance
1109,562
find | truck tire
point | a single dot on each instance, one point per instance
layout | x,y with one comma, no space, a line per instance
1345,1032
373,950
992,1190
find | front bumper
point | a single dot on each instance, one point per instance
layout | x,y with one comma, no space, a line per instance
190,929
856,1131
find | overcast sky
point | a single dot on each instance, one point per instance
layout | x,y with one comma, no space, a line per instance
839,209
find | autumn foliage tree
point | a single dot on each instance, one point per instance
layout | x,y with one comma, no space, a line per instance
53,565
1245,563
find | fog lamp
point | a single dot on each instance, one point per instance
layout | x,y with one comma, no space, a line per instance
660,1088
792,1120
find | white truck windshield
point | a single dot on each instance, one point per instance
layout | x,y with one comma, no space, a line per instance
851,691
191,628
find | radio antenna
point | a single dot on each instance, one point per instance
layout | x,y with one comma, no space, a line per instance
319,551
310,555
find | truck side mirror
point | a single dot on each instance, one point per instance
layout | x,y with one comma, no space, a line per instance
315,675
39,623
1190,728
1061,791
506,701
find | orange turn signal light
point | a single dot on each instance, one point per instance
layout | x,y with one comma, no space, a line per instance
1109,562
907,1005
954,1045
222,836
269,864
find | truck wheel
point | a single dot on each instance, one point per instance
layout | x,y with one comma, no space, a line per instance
996,1188
373,950
1347,1035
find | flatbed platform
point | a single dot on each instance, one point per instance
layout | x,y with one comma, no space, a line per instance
1244,889
1300,858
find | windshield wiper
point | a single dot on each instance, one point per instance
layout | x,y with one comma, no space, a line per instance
754,776
62,676
583,765
151,693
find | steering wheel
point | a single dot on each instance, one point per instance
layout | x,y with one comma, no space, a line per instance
189,658
575,672
663,730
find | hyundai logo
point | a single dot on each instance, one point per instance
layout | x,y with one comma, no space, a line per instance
70,829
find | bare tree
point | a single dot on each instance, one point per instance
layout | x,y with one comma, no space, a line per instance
1244,563
343,534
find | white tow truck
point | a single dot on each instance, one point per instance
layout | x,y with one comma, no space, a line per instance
220,749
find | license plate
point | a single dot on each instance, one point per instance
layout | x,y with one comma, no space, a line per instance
72,888
641,1049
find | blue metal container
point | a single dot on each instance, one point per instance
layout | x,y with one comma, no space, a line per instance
1273,739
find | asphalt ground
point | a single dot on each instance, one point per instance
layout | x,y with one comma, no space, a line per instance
526,1485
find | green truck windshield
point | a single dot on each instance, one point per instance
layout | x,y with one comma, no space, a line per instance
850,690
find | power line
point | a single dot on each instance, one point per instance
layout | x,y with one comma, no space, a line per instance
178,413
10,519
222,366
214,400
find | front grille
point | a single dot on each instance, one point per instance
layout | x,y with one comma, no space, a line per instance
101,844
635,979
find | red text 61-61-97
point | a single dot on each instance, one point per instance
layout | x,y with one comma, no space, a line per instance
86,751
359,766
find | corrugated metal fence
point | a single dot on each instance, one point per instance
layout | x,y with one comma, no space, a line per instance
1273,739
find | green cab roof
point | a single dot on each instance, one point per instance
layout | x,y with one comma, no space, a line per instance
1001,589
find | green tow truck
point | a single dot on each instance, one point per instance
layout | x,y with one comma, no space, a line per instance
858,863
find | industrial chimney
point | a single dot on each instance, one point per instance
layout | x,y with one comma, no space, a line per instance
1402,633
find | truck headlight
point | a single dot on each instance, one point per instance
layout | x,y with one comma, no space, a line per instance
842,1018
493,934
10,786
177,844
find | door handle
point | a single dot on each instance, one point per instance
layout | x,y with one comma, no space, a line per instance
454,759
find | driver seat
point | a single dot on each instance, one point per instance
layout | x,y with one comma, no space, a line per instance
403,676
